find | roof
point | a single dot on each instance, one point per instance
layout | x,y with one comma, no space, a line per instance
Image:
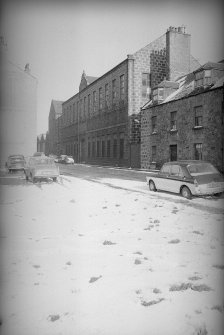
90,79
167,83
210,65
57,107
187,87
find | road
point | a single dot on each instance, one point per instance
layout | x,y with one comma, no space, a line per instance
96,253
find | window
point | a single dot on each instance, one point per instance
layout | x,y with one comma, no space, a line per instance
198,151
115,148
165,169
176,171
94,101
106,95
108,148
98,149
199,79
84,108
93,149
103,148
173,120
207,78
198,116
122,87
89,149
145,85
173,152
89,101
77,111
113,90
154,119
121,148
153,153
100,99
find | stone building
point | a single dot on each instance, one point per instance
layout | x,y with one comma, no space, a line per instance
18,108
54,133
42,143
101,123
185,119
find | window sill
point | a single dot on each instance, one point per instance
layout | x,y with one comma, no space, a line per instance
173,130
154,133
198,127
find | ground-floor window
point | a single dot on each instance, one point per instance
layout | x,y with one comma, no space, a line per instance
173,152
89,149
103,148
121,148
198,151
115,148
98,148
93,149
154,153
108,148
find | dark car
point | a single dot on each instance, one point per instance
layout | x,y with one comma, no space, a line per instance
188,178
15,163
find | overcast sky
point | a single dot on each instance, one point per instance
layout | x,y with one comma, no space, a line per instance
61,39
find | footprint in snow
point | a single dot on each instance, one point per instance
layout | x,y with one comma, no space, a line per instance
108,243
54,317
93,279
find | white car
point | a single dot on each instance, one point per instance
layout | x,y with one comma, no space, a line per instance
187,178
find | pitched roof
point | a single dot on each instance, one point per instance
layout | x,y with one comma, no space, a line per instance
90,79
57,107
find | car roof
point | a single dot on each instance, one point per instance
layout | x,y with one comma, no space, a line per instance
186,162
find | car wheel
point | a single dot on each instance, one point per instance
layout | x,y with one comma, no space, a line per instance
152,186
185,192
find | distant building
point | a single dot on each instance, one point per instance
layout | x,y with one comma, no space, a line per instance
42,143
18,108
54,127
101,123
185,119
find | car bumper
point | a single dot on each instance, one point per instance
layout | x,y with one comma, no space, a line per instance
209,189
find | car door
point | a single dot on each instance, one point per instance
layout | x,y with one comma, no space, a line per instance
176,178
163,181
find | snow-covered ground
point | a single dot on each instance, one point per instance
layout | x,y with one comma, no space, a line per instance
83,258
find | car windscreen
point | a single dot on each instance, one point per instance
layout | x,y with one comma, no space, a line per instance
41,161
203,168
16,158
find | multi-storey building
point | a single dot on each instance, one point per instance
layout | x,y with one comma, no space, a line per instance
101,123
53,146
185,119
18,108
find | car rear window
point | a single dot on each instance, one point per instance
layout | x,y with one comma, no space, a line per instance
41,161
203,168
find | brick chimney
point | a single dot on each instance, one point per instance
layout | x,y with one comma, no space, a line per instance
177,52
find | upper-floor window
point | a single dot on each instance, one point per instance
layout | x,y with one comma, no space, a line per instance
173,120
203,78
107,95
84,108
114,93
154,126
94,101
77,110
198,112
158,94
100,98
89,102
122,87
145,85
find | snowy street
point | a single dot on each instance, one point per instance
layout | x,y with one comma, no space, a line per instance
108,257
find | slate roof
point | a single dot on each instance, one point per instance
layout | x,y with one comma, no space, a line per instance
57,107
187,87
90,79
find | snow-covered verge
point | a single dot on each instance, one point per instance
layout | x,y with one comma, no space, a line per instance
79,257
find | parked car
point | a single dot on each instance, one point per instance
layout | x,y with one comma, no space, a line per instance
187,178
38,153
66,159
15,163
41,167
